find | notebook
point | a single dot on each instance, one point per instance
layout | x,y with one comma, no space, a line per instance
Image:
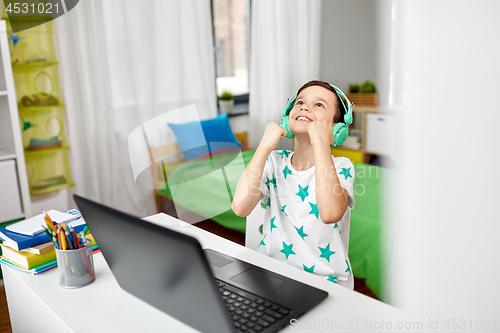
33,225
19,242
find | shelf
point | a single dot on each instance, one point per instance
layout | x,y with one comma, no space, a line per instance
41,108
34,64
45,151
6,155
3,93
52,188
348,148
29,18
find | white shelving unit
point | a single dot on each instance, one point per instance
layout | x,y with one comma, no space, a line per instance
15,199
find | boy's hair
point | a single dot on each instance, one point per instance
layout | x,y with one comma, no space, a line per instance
339,116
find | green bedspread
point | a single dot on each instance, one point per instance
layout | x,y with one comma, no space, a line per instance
205,187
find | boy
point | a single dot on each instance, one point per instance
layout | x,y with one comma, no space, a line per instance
308,192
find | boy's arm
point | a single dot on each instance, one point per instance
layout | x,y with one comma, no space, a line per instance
332,198
248,193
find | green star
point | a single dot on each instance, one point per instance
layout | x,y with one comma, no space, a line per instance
287,249
273,225
348,268
267,182
314,209
284,153
273,181
345,173
301,232
302,193
269,202
286,171
283,210
262,241
307,269
335,226
326,253
333,278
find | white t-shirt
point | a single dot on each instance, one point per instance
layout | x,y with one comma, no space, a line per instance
293,230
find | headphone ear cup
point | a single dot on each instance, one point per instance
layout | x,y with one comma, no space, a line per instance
284,124
340,133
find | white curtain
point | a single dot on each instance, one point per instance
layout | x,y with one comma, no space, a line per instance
284,54
124,63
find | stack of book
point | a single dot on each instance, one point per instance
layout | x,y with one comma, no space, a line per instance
352,142
27,247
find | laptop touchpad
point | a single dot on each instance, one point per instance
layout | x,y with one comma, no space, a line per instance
256,279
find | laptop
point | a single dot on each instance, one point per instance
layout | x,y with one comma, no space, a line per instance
203,288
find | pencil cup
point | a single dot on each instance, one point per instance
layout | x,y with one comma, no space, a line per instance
76,267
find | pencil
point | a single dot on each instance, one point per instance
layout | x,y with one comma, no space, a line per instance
48,234
54,240
48,220
68,239
75,237
60,233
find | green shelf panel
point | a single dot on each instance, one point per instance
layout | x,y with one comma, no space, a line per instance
48,170
52,189
34,64
45,151
41,108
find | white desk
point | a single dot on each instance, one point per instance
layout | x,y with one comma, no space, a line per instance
39,304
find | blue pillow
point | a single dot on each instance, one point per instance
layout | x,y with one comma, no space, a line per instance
195,138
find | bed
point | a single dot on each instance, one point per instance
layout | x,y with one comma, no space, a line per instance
208,182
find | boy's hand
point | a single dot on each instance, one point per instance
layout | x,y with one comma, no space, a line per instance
272,135
320,133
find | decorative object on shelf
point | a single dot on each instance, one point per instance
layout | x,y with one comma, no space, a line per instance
226,102
363,94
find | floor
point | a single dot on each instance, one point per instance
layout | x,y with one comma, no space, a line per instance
235,236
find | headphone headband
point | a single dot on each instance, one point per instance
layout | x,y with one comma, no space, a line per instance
340,94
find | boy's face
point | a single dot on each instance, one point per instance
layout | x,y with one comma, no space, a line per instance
312,104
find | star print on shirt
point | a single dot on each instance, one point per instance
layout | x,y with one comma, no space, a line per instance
273,181
284,153
269,202
335,225
262,241
283,210
326,253
267,183
301,232
345,173
333,278
286,171
273,226
309,269
287,250
314,209
348,268
302,193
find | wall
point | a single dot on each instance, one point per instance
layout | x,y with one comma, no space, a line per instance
358,43
348,42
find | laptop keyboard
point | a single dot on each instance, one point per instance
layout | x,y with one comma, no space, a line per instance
249,312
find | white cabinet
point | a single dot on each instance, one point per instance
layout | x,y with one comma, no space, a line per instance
15,198
10,199
381,134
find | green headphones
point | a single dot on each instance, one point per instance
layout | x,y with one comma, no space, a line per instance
340,130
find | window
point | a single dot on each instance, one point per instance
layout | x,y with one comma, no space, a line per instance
231,21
